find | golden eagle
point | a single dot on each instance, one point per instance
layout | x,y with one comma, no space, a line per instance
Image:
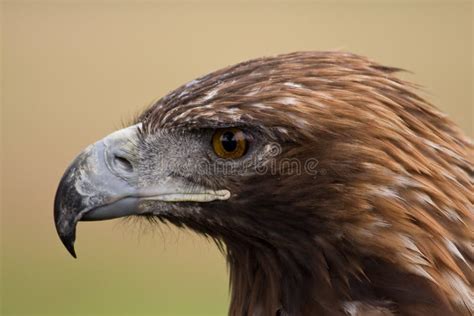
330,185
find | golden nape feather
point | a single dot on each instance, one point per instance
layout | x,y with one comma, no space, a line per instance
349,193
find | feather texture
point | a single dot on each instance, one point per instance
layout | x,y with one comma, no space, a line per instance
386,225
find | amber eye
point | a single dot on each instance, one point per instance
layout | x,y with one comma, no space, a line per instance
229,143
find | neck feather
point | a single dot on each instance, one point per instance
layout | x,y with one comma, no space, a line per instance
324,280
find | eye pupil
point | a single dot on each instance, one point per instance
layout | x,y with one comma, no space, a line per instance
229,143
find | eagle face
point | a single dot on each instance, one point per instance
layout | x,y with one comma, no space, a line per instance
330,185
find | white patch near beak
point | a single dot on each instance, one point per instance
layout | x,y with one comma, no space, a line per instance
206,196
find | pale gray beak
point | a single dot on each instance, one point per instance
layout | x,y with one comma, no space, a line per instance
103,183
100,184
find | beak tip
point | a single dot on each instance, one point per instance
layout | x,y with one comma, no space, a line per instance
72,251
65,221
69,245
67,235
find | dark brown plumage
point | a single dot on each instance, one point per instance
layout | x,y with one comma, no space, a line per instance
385,224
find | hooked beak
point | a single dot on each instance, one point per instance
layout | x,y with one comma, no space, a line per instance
100,184
103,183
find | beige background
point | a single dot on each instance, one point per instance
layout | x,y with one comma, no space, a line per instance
73,70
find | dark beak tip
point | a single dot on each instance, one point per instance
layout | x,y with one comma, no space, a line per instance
70,249
66,230
73,253
64,221
68,242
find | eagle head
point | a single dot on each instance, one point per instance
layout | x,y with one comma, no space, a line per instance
329,184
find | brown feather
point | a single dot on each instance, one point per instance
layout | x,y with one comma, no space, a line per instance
386,228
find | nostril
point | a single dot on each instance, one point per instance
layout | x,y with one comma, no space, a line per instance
123,163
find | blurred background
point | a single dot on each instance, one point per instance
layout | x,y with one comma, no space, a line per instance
73,71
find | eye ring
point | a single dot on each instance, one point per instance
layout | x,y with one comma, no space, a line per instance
230,143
